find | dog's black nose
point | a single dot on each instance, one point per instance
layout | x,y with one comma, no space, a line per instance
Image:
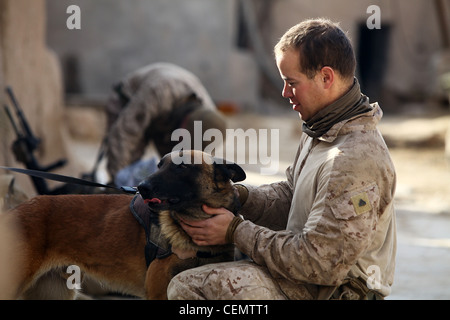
144,188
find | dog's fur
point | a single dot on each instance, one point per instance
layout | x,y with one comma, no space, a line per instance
99,234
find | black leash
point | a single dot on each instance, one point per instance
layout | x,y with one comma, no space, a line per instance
67,179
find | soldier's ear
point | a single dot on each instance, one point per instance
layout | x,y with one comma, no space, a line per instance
225,170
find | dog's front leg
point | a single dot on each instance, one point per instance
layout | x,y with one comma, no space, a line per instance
161,271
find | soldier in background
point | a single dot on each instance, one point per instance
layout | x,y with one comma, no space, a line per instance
148,105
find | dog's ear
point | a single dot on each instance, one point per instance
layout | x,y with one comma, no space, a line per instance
229,170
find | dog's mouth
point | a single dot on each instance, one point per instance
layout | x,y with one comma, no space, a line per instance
153,201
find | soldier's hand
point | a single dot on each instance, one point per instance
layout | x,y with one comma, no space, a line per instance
210,231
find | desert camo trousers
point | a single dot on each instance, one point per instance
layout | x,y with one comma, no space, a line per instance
228,280
244,280
238,280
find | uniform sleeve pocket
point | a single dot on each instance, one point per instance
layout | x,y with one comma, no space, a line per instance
356,203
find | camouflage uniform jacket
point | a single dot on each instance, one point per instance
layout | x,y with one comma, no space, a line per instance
335,211
153,91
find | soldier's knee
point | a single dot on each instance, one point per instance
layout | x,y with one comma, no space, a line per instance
180,288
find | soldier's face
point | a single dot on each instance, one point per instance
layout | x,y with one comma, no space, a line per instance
306,95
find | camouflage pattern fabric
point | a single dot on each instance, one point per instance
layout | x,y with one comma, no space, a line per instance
144,109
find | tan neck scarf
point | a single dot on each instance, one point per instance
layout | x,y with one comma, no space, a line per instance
349,105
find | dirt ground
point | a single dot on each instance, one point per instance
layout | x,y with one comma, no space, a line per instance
423,225
422,197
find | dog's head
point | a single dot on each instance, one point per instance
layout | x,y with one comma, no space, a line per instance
188,179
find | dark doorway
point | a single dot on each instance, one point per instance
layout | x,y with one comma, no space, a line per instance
373,45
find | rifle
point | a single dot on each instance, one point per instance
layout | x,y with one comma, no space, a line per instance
25,145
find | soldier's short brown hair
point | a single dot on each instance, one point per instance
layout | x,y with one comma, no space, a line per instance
320,43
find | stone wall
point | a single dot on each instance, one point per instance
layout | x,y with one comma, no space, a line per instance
33,71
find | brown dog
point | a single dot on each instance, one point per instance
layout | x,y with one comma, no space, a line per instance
99,234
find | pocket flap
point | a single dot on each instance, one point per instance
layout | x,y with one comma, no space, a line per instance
355,203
